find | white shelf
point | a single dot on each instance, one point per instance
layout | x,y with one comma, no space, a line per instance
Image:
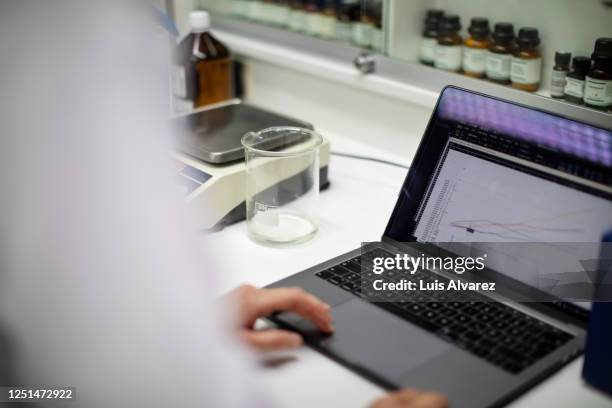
313,64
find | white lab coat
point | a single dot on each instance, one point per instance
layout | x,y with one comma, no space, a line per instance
102,284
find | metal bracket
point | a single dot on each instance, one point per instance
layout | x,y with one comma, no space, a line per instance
365,63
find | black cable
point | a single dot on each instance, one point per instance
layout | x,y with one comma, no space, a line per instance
373,159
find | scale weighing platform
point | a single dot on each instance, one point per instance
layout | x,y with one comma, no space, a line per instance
210,159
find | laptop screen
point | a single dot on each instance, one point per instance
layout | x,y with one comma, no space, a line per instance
491,171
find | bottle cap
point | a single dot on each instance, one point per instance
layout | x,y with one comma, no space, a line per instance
199,21
479,27
581,65
450,23
528,36
563,58
603,48
433,17
503,32
434,14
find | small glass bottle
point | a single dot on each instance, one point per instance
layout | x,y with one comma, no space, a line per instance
574,82
447,55
499,57
297,16
347,14
281,13
526,66
327,19
475,48
378,35
267,9
361,31
429,38
559,73
239,8
313,14
202,67
256,9
598,85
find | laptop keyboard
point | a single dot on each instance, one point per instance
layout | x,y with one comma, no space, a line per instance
497,333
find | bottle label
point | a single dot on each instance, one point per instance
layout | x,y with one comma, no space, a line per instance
557,83
182,105
378,42
474,60
574,87
278,14
255,11
266,13
448,57
428,47
180,102
179,81
498,66
313,23
239,8
343,31
362,34
525,71
297,20
326,26
598,92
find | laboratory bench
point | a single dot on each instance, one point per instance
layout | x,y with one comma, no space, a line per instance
354,209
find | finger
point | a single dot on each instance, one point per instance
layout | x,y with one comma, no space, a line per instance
397,399
429,400
298,301
273,339
405,396
411,398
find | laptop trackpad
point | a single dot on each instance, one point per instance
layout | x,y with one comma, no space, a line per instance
370,337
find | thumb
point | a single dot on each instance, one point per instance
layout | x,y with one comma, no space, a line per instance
272,339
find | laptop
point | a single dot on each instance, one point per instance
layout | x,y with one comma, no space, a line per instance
481,160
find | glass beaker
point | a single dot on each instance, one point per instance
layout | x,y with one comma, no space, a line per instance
282,184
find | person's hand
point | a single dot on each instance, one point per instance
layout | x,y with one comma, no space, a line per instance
253,303
411,399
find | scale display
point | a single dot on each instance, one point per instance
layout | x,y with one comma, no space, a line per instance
190,178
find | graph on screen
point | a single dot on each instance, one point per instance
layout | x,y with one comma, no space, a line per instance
479,201
475,200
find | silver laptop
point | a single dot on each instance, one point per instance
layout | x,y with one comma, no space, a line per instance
487,171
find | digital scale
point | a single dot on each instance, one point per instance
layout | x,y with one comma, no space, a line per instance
210,160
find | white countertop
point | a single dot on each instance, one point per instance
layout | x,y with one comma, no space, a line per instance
354,209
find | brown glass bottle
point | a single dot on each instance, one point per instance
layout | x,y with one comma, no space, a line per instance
447,55
598,85
499,57
429,38
574,81
559,73
475,48
526,66
326,21
202,65
378,37
362,29
297,16
347,13
312,10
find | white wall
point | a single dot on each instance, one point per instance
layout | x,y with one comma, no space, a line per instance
374,124
181,13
